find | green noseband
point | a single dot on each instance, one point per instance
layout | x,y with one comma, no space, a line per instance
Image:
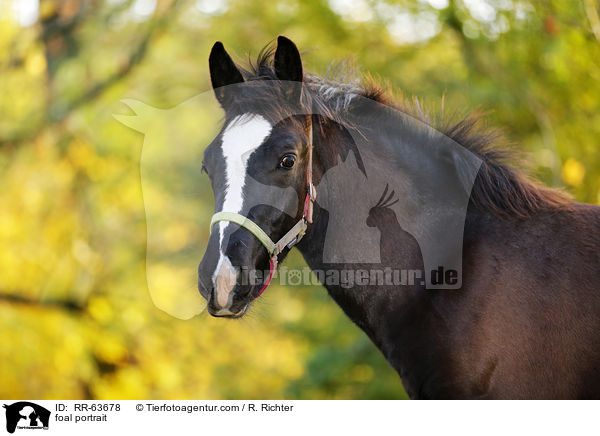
251,226
273,248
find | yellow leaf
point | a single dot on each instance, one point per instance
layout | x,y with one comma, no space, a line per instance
100,309
573,172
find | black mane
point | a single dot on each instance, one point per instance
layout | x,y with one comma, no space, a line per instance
500,188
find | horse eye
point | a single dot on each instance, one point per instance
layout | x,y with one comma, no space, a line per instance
287,161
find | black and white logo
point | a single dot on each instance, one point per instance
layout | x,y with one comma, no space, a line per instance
26,415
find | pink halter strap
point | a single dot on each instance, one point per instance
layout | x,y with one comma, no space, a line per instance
307,211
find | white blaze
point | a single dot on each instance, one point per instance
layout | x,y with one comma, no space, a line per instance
244,134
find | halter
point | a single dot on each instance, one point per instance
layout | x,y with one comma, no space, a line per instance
293,236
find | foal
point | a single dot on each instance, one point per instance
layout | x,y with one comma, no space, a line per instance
525,321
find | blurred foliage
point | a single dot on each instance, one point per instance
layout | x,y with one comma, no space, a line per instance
75,315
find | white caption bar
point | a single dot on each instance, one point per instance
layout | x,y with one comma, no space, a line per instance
300,417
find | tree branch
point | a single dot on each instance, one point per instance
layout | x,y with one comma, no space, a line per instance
68,305
136,57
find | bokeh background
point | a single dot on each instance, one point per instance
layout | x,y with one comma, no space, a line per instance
76,317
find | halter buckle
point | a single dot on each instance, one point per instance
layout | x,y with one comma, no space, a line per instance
298,236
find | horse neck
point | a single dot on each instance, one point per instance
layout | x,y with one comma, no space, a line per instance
398,319
365,305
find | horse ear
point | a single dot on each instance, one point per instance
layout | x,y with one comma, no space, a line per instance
288,65
223,72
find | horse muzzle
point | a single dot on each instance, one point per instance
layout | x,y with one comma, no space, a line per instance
227,297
